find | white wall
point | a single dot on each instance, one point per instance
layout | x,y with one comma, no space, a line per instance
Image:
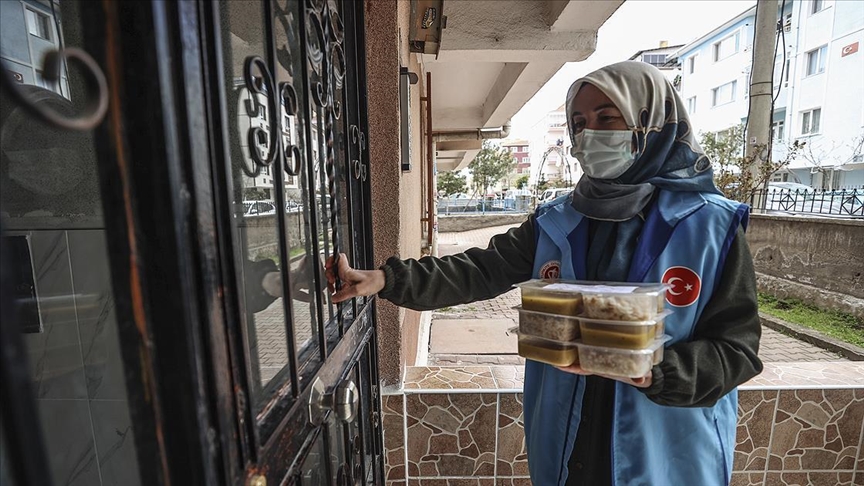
709,75
838,92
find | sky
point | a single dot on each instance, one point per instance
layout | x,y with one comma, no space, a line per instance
635,26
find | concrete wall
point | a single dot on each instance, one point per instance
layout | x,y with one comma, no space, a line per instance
397,197
260,232
824,253
458,223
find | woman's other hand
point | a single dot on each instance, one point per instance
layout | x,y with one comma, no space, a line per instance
643,382
354,282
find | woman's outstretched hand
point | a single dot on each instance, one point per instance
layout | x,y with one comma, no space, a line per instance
643,382
354,282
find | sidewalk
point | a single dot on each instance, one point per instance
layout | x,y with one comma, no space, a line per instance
480,323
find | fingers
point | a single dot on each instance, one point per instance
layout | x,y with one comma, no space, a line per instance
574,368
344,268
345,293
642,382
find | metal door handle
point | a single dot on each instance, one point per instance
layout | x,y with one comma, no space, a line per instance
342,400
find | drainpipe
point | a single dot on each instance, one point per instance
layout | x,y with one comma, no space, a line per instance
430,174
477,134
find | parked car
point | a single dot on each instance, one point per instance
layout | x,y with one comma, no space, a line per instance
550,194
258,208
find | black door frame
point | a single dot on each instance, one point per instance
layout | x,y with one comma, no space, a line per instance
178,329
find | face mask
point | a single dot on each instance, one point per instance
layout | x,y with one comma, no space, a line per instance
604,154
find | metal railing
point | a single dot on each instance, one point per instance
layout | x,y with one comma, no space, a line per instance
479,205
847,203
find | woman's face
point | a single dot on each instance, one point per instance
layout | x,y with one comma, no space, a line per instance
592,109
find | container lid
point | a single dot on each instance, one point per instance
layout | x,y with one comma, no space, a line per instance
543,285
594,287
650,322
654,346
546,314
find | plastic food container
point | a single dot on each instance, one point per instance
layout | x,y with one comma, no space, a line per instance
537,296
623,301
555,353
622,334
548,326
629,363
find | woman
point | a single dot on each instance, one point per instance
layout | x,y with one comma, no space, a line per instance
646,210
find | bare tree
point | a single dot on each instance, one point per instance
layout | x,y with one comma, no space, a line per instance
824,159
738,176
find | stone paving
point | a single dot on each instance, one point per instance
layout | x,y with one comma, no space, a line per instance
271,336
775,347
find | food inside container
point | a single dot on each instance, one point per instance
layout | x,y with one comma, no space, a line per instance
548,326
555,353
622,334
622,301
629,363
538,296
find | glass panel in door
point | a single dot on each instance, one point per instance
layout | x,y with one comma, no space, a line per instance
306,296
51,211
326,101
253,183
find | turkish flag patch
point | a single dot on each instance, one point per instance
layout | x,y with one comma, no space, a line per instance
685,286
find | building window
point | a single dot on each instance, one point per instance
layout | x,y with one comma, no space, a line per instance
810,121
817,6
816,61
727,47
724,94
691,105
777,130
654,59
524,160
691,64
788,69
38,24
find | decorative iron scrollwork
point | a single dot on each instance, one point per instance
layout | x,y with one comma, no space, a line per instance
266,145
97,90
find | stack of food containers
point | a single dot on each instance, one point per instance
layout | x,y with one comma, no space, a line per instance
548,323
613,329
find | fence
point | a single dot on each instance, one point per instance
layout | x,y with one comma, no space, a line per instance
479,205
847,203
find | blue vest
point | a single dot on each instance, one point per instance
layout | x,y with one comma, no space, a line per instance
651,444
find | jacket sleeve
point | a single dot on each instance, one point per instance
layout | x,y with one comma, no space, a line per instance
477,274
724,351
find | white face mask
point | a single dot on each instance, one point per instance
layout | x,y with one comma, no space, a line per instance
604,154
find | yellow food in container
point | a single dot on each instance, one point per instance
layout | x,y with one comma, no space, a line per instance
548,351
621,334
536,297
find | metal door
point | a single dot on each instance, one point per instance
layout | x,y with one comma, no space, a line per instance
223,160
287,113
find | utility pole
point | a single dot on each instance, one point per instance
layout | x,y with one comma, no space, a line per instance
758,142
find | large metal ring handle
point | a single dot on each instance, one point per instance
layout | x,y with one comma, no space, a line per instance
97,87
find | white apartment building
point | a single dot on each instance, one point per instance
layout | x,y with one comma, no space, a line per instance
817,84
660,57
